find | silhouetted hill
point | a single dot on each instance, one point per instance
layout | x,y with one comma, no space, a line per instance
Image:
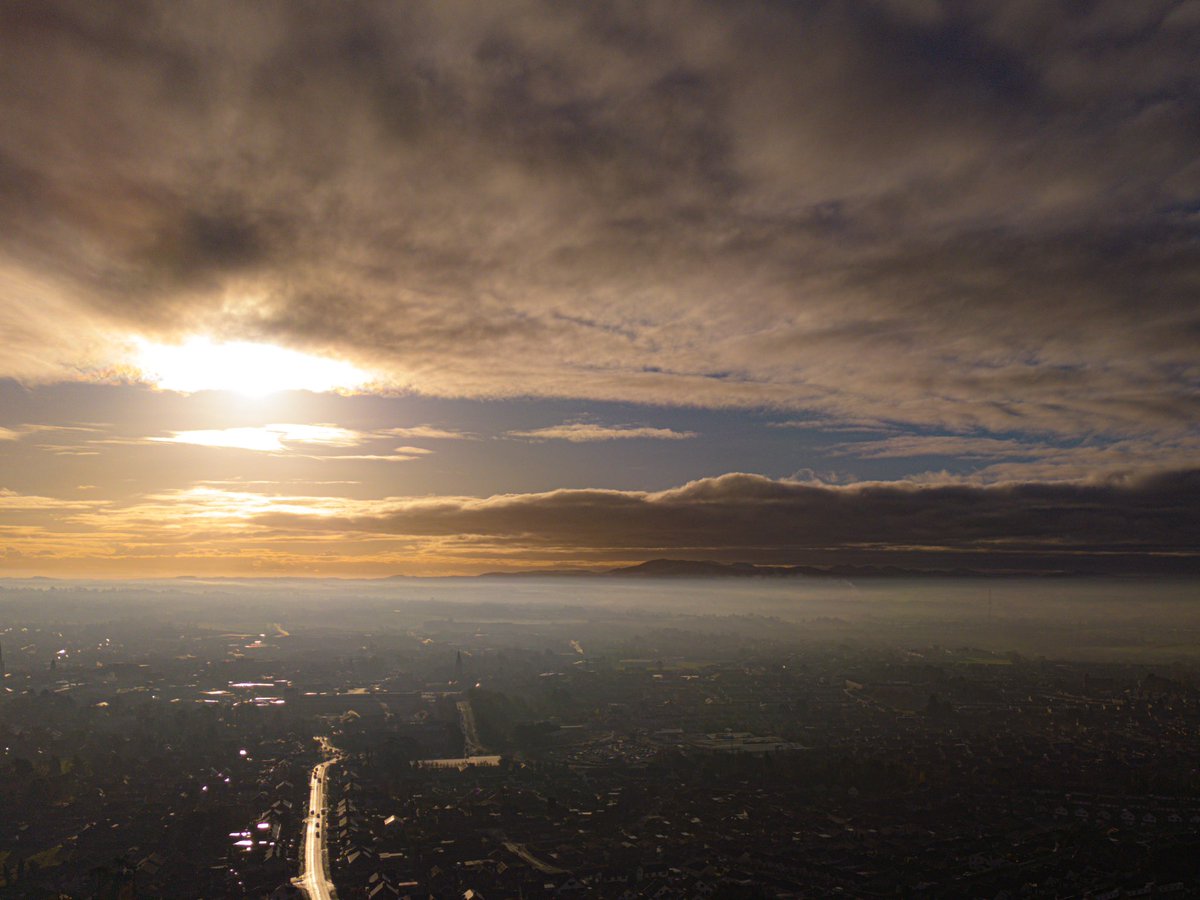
543,573
692,568
686,568
699,568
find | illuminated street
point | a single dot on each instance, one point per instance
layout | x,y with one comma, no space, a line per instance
314,878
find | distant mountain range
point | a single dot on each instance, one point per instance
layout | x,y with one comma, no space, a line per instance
688,568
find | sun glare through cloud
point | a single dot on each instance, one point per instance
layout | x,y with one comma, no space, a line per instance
268,439
202,364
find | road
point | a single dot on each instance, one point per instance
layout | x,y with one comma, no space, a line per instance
466,718
314,878
541,865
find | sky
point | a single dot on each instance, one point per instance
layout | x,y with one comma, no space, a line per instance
360,289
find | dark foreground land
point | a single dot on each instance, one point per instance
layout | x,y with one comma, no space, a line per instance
157,743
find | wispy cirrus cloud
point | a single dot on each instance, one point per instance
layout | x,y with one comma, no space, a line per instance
14,501
847,424
22,431
267,438
250,483
400,454
1015,460
291,439
584,432
958,446
431,432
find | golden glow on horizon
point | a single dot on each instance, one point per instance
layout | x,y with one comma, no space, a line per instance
201,364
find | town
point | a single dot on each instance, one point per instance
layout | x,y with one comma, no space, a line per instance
508,750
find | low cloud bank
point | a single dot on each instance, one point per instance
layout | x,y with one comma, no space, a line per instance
1149,524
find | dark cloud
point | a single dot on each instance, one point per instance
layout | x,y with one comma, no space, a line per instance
1145,525
972,216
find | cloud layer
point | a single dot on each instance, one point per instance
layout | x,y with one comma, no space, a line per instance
965,217
954,245
586,432
1139,526
1074,526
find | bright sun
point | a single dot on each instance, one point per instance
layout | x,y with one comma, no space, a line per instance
201,364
